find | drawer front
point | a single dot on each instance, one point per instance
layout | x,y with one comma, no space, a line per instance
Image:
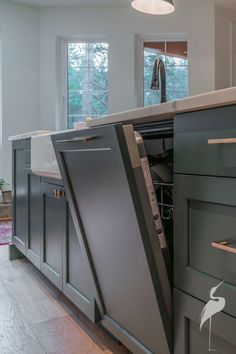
205,142
205,211
188,338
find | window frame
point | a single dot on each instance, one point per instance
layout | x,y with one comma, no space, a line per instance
64,68
139,58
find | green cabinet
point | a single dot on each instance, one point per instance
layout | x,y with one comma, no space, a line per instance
203,142
188,339
53,231
43,230
20,164
35,219
204,228
205,212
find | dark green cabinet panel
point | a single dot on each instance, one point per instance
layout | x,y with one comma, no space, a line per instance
110,206
193,154
77,283
20,194
53,231
188,339
205,211
35,219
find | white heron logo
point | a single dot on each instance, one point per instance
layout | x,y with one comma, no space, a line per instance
214,306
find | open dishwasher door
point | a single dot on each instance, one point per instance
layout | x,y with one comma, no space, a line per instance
107,194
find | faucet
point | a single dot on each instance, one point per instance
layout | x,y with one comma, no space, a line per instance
159,69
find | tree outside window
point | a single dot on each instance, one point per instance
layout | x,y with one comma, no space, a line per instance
87,81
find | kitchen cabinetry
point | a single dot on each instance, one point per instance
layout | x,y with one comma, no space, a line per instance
100,244
188,337
205,219
205,212
21,163
43,230
35,219
53,231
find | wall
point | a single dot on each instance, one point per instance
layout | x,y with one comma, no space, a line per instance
19,26
223,19
233,53
120,24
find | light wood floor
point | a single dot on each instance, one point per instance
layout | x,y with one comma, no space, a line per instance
35,318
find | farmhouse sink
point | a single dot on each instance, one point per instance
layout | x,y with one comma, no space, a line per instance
43,158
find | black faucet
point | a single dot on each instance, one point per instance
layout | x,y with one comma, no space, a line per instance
159,70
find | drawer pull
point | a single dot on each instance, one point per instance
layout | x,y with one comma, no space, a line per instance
57,193
84,139
224,246
222,141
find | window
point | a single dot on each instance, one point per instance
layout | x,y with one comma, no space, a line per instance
87,81
174,56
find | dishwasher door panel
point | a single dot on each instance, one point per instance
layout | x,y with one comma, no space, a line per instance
109,203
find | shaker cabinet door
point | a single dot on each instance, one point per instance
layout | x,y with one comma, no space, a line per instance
205,237
110,207
20,194
205,142
189,339
53,231
35,219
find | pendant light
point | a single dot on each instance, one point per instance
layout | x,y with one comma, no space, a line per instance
154,7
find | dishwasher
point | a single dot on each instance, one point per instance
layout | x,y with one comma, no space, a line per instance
115,187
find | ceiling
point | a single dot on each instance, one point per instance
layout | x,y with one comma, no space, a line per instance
43,3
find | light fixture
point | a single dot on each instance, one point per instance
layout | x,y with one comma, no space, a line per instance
154,7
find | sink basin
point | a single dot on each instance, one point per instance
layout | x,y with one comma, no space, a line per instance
43,158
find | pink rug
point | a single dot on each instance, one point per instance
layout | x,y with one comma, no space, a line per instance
5,233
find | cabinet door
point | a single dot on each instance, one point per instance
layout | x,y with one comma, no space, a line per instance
77,283
53,231
205,212
204,142
20,194
188,338
108,198
35,220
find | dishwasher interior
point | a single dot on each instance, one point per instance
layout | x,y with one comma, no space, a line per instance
159,145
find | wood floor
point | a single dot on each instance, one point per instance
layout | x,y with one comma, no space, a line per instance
35,318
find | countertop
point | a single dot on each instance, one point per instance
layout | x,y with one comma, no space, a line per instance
159,112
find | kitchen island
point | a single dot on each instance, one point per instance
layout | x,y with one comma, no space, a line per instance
94,232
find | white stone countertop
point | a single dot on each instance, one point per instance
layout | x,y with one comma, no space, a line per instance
155,113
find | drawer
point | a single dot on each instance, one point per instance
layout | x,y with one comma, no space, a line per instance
205,211
188,339
205,142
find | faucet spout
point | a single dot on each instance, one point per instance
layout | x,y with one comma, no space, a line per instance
159,74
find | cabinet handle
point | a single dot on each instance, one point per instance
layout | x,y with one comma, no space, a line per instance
84,139
222,141
224,246
58,193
